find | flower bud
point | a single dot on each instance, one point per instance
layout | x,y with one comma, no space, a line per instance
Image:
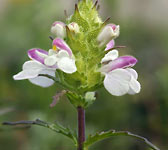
73,27
58,29
109,32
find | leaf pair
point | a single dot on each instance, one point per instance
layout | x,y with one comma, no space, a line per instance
72,135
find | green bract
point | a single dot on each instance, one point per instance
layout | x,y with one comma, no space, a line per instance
85,48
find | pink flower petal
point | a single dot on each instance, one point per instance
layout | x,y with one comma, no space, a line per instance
121,62
60,44
113,26
110,45
33,54
58,22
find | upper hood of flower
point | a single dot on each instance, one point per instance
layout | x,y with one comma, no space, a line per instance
121,62
58,29
37,54
61,45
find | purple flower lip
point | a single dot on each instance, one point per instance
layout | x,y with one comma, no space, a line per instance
60,44
121,62
32,53
113,26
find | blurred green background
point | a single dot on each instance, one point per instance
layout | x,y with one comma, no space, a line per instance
25,24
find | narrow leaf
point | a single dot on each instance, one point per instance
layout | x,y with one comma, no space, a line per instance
54,127
103,135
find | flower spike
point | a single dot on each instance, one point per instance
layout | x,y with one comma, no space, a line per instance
75,45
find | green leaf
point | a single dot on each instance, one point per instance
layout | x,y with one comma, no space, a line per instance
52,126
103,135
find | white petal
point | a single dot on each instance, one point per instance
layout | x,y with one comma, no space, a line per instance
51,52
135,86
58,30
73,27
31,69
32,64
26,74
51,60
62,53
44,81
105,35
67,65
117,31
112,55
117,82
133,72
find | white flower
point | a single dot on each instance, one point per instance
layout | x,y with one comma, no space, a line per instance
45,63
31,71
63,61
120,79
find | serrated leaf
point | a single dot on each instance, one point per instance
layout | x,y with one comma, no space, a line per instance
103,135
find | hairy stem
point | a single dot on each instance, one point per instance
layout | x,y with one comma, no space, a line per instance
81,128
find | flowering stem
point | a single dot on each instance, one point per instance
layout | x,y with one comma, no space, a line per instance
81,127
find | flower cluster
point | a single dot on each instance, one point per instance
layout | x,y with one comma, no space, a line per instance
84,56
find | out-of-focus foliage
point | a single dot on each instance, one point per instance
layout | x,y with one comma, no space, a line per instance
25,24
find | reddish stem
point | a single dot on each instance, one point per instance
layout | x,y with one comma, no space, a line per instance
81,127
